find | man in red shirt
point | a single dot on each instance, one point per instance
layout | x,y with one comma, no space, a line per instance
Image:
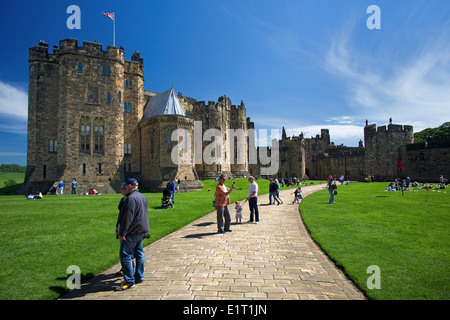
222,202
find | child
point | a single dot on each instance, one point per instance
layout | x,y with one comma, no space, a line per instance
238,212
300,194
297,195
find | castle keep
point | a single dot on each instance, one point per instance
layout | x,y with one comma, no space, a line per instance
89,118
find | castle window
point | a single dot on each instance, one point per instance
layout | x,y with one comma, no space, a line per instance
127,148
84,169
52,146
125,107
99,169
80,68
129,167
126,83
85,135
106,70
130,84
98,136
108,97
129,108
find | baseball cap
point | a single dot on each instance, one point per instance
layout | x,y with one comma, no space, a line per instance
131,181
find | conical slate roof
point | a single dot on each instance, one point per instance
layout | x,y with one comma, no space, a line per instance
165,103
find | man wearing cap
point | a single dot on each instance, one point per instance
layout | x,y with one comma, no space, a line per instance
133,224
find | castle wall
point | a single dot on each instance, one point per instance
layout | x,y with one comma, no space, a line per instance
383,145
346,161
133,106
426,162
43,93
157,149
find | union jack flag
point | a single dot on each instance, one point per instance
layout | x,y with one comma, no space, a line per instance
109,15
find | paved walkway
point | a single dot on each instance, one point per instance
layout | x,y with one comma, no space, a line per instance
275,259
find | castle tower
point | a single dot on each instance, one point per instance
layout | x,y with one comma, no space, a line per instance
162,157
76,115
238,141
382,146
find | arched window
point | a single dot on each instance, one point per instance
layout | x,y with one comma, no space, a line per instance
85,135
98,136
127,148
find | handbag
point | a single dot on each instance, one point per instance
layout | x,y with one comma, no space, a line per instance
335,192
214,203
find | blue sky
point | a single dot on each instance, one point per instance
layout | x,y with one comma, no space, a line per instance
304,65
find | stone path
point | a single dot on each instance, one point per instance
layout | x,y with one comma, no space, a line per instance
275,259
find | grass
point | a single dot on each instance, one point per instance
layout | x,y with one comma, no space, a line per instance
42,238
406,236
5,176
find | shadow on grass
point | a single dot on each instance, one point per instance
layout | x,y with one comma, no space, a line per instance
90,284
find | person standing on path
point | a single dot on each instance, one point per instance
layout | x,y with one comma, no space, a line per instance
133,224
253,199
222,203
273,192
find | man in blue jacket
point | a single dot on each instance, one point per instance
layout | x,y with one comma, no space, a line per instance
132,224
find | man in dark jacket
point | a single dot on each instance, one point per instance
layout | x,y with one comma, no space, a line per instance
132,225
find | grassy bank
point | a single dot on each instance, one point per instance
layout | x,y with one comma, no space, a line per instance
406,236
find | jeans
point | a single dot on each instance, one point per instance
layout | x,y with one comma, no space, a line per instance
74,190
223,213
274,195
253,204
128,248
331,195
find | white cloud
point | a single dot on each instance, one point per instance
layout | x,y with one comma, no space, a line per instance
13,101
13,109
12,154
414,89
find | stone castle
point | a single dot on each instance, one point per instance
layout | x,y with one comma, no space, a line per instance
89,118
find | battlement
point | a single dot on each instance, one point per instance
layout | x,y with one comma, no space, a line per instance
70,46
372,128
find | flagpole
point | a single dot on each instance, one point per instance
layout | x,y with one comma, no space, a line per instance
114,30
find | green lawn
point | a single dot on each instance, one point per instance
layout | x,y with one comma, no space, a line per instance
41,238
406,236
18,177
